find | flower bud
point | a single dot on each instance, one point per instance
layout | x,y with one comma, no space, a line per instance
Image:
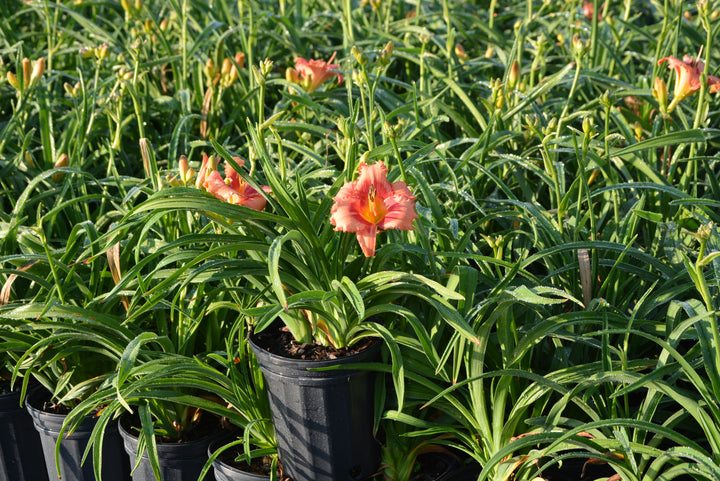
359,55
86,52
659,92
12,80
291,75
638,131
579,47
27,71
266,67
37,71
210,70
186,173
386,54
587,127
240,59
101,52
489,52
513,75
460,53
29,161
62,161
72,90
358,78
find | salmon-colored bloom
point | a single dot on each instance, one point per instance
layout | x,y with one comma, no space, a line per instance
371,203
687,78
233,188
588,9
313,73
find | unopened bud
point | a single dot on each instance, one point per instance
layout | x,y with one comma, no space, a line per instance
12,80
358,78
461,54
638,131
86,52
386,54
210,70
62,161
489,52
101,52
240,59
587,126
29,161
27,71
659,92
186,173
163,24
37,71
266,67
513,75
359,55
291,75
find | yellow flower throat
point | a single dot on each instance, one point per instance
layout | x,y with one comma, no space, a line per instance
374,211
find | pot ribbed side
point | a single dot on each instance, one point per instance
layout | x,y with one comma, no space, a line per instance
323,419
72,447
178,461
21,454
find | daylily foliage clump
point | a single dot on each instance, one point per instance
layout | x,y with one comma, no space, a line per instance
519,197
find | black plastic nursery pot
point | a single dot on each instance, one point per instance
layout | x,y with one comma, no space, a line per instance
178,461
21,455
323,419
226,472
115,465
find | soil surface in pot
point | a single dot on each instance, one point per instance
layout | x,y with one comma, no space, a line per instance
42,401
204,426
431,467
279,341
261,466
5,387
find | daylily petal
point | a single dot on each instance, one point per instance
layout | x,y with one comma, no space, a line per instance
401,213
374,175
215,184
202,174
366,238
345,213
714,84
245,195
232,176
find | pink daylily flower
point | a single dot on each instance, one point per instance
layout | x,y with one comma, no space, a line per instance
371,203
313,73
687,78
234,189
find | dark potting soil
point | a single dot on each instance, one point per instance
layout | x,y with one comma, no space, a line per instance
42,401
431,467
261,466
279,341
205,425
5,387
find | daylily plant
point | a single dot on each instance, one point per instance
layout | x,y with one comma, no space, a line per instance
687,78
311,74
371,203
